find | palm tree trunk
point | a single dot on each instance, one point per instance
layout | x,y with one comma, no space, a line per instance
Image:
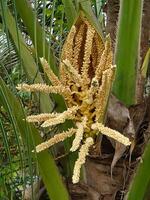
112,10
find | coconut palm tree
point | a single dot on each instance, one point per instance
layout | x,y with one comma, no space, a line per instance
81,82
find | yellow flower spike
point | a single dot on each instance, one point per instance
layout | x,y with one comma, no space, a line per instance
97,50
78,137
86,76
111,133
61,118
38,87
77,46
67,53
41,117
81,159
87,54
103,92
73,72
79,134
106,59
52,77
56,139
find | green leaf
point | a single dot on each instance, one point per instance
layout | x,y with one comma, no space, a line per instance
70,12
48,169
27,15
140,184
144,67
85,6
127,50
29,64
36,33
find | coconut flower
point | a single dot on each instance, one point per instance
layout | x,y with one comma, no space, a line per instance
85,78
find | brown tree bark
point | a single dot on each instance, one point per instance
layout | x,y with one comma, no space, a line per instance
144,45
112,10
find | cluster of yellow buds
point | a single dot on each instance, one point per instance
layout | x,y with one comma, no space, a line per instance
85,80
